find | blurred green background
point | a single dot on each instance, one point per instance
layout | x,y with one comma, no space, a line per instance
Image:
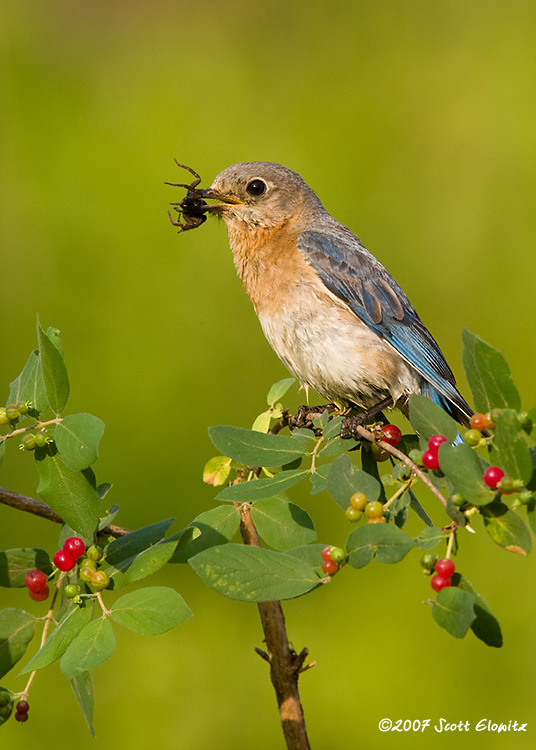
414,122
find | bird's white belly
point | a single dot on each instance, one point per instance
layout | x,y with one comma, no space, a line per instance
329,349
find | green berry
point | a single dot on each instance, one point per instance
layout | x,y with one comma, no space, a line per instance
94,553
352,514
3,416
358,500
506,485
337,554
428,562
12,413
71,591
23,407
379,454
86,573
28,442
374,509
41,439
100,580
458,499
472,437
525,497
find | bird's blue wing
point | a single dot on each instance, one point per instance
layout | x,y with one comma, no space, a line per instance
355,276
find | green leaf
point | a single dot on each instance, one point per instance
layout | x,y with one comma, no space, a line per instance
506,528
151,611
17,629
84,692
69,493
485,626
384,541
131,544
336,446
253,574
217,470
255,448
417,508
333,429
430,537
72,623
54,372
77,438
262,422
510,446
429,419
15,563
110,514
91,647
143,564
30,386
453,609
344,479
257,489
462,466
6,704
278,390
310,554
488,376
282,524
217,526
319,479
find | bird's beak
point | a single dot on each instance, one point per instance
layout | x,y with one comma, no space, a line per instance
223,200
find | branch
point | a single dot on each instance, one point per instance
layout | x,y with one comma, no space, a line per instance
37,508
285,663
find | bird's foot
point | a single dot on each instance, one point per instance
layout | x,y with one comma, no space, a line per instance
349,424
305,415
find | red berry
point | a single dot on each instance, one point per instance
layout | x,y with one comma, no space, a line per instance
39,596
21,717
492,476
445,567
35,581
22,707
480,422
430,459
63,560
391,434
74,546
439,582
326,552
329,567
434,443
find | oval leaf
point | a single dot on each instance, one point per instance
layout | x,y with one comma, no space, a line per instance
54,372
256,489
17,629
344,479
15,563
217,526
282,524
77,438
453,609
430,419
506,528
135,542
278,390
70,494
510,447
488,375
255,448
151,611
462,466
92,646
253,574
386,542
217,470
30,386
143,564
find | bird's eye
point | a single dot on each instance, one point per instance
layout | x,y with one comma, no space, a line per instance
256,187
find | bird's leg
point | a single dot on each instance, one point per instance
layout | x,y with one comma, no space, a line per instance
350,423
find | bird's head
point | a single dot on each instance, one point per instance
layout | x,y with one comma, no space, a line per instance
260,194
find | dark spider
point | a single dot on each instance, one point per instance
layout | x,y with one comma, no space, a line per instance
191,209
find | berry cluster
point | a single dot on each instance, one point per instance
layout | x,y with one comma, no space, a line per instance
332,558
390,434
430,458
73,549
21,711
12,413
359,504
442,569
98,579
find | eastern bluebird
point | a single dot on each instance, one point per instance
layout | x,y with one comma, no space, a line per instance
333,314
